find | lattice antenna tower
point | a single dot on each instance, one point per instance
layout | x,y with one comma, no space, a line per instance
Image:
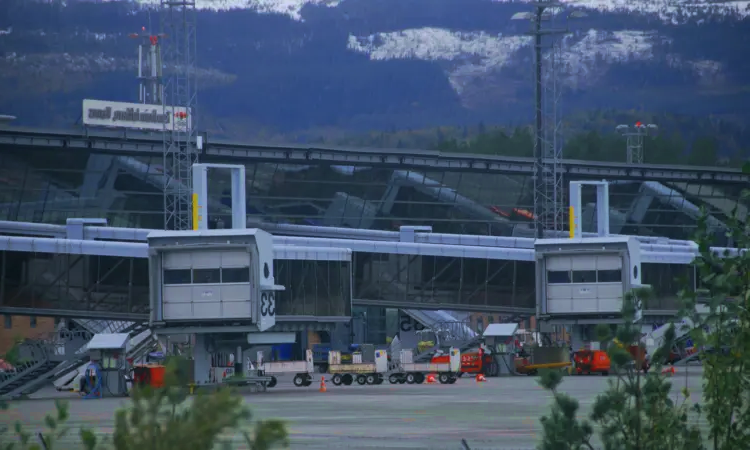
549,192
150,68
635,135
178,26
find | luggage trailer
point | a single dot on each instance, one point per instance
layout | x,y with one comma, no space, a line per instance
364,373
302,370
407,371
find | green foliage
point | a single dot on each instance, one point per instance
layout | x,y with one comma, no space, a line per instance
166,419
635,412
23,440
724,284
13,355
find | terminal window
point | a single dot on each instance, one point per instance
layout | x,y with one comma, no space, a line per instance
206,276
609,276
584,276
235,275
181,276
558,277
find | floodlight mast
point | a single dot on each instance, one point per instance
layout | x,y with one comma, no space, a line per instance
549,201
635,135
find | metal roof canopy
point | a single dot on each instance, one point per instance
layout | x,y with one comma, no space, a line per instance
109,341
500,330
135,142
672,253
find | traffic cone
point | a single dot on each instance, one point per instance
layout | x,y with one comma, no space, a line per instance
481,378
668,371
430,379
323,384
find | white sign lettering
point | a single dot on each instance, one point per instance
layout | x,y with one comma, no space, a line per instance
135,115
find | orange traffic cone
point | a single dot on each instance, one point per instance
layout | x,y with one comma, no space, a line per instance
323,384
430,379
668,371
481,378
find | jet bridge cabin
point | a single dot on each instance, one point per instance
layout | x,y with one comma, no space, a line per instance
212,278
585,277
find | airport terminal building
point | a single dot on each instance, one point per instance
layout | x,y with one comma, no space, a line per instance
48,177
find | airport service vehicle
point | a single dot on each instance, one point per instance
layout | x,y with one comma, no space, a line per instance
474,361
591,361
407,371
362,372
302,370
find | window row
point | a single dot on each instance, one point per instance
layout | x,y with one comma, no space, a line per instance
584,276
207,276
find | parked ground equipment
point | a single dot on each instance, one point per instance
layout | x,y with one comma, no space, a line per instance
302,370
591,361
476,360
362,372
407,371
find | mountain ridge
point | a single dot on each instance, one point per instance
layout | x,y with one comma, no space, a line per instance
291,65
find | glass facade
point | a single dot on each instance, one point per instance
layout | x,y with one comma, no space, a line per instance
52,185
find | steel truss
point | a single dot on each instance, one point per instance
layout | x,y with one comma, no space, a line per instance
549,201
178,23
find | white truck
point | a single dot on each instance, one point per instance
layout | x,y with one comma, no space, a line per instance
302,370
362,372
407,371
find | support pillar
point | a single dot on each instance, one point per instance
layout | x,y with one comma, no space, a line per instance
201,360
238,369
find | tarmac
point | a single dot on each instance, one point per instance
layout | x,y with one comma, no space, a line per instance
500,414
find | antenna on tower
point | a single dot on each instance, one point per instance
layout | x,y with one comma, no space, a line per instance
549,193
178,24
150,68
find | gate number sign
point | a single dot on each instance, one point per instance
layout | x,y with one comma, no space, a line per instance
267,304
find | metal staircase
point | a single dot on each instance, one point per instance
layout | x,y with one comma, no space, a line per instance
43,361
143,341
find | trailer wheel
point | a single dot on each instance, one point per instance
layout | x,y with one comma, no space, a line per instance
402,380
336,380
370,379
299,380
393,378
273,382
419,378
361,379
411,378
452,380
443,378
347,379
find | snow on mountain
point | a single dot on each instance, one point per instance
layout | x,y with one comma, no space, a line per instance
472,56
668,11
291,8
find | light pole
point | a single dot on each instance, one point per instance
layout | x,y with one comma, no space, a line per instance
548,188
635,135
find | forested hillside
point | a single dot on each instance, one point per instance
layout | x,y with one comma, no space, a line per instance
588,136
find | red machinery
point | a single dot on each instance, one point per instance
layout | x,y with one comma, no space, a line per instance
474,361
591,361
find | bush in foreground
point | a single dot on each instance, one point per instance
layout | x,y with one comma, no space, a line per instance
163,419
